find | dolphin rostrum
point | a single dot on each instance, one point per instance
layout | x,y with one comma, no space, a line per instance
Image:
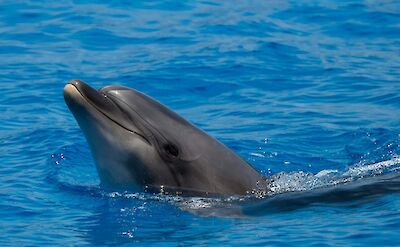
139,143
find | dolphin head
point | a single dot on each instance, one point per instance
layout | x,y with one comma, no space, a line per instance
137,142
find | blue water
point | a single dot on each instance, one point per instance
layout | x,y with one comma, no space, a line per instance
306,91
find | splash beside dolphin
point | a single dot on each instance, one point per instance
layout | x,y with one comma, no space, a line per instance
139,143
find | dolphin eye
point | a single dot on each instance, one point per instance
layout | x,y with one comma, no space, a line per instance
171,150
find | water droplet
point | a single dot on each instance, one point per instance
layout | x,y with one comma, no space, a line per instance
129,234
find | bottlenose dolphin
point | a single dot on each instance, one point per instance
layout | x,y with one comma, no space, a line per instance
139,143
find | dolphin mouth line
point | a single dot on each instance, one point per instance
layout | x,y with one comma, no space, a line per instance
108,117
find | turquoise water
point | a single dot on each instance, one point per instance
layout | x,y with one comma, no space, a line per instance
306,91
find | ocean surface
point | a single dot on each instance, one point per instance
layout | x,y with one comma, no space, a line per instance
308,92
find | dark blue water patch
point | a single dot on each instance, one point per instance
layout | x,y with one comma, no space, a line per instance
12,49
161,6
307,13
100,39
21,13
347,23
356,29
33,37
78,19
256,29
53,29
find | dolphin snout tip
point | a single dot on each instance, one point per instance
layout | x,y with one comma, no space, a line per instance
67,88
71,91
70,94
71,85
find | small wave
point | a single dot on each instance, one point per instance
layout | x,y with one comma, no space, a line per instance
290,191
78,175
303,181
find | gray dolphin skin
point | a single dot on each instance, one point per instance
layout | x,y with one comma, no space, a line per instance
138,143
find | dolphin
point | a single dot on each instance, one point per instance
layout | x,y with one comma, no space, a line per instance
138,143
